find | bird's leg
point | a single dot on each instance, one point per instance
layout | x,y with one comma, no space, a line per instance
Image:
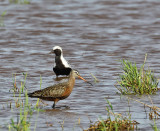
56,77
53,105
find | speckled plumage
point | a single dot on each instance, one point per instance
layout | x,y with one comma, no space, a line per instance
59,91
52,92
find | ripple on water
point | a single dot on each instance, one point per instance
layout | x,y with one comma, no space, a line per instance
94,35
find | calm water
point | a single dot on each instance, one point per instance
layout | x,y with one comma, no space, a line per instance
94,34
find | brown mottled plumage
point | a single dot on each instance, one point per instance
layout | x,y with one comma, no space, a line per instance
59,91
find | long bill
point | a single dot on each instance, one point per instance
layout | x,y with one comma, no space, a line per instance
84,79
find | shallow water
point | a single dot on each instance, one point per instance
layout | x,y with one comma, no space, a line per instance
94,35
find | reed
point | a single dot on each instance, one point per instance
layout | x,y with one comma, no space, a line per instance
137,81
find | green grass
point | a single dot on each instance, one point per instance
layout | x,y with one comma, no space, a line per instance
95,79
137,81
20,1
23,120
154,127
23,83
2,19
25,112
117,123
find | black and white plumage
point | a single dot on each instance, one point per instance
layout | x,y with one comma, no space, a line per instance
61,66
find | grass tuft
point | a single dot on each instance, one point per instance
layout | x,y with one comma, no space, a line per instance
137,81
119,123
25,112
23,119
15,88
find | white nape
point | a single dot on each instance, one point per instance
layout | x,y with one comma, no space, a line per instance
65,63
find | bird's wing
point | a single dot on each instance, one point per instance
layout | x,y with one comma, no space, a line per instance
54,91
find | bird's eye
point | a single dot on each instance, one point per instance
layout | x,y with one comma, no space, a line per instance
77,72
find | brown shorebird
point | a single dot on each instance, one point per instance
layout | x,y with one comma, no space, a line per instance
61,65
58,92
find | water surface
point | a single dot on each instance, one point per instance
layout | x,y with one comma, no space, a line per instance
94,34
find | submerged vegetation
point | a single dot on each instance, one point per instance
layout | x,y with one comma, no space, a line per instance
154,110
137,81
118,123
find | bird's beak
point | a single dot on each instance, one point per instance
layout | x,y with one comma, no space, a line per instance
84,79
52,51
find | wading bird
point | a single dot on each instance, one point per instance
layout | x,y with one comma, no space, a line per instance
58,92
61,65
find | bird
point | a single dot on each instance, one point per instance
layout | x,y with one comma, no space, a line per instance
59,91
61,65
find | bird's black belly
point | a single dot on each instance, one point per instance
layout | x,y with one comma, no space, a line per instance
60,68
64,71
